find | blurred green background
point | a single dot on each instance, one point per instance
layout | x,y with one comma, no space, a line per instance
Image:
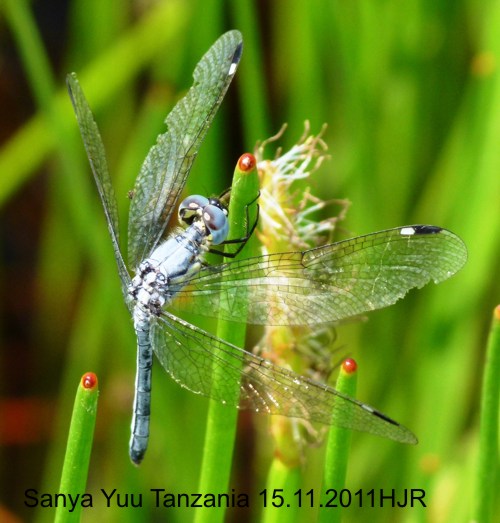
411,93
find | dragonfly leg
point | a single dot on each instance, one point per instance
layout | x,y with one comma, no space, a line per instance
240,242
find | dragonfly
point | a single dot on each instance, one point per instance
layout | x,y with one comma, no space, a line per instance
322,285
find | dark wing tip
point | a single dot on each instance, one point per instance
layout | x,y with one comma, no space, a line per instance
413,230
404,435
237,54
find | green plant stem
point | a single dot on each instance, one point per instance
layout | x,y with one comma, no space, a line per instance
80,437
337,452
487,486
281,481
221,421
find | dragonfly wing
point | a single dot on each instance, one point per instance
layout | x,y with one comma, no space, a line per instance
167,165
192,357
97,158
326,284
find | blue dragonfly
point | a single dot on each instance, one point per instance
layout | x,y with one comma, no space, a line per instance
323,285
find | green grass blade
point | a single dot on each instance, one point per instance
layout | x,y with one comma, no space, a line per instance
487,478
281,503
254,106
80,437
337,448
126,58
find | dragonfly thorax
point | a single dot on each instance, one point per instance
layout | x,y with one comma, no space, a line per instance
148,289
162,275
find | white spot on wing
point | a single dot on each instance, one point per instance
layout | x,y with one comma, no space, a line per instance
232,68
407,231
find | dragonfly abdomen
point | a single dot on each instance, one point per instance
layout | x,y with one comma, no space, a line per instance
142,400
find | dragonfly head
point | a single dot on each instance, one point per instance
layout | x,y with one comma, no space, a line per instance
210,211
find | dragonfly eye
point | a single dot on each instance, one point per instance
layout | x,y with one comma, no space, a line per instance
216,222
191,207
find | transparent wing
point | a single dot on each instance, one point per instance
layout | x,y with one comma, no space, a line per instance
192,357
167,165
328,283
97,158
